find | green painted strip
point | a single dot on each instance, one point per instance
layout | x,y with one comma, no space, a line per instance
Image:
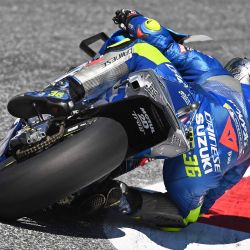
118,43
150,52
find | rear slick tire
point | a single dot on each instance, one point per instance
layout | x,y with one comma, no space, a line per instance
61,170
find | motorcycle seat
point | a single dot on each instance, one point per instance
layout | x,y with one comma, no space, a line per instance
26,106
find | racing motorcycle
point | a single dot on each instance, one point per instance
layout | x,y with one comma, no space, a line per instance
46,158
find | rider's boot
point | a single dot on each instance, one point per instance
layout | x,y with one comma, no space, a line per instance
107,196
153,208
57,100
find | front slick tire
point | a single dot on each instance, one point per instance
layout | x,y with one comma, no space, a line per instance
72,164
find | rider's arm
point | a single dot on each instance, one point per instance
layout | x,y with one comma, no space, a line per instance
193,65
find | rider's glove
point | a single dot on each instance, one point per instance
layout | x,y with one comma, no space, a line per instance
123,16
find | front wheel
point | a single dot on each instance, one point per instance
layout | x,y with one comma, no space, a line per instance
63,169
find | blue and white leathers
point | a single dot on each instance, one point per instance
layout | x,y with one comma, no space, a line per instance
219,131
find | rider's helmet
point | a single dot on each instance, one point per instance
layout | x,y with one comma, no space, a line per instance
240,69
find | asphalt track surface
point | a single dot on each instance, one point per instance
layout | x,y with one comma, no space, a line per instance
39,40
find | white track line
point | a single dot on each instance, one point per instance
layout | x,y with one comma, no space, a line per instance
247,174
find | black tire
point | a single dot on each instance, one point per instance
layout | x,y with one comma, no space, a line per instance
76,162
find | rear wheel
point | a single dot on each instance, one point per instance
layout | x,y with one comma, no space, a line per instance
68,166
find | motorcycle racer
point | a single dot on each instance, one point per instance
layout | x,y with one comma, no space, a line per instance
218,131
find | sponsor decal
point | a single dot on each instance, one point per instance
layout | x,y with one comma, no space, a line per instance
55,93
229,157
143,121
118,57
149,88
207,143
208,158
228,137
184,97
176,73
240,124
92,62
192,165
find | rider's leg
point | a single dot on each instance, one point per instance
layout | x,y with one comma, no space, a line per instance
153,208
169,211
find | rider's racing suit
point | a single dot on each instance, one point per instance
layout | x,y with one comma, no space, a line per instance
220,129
